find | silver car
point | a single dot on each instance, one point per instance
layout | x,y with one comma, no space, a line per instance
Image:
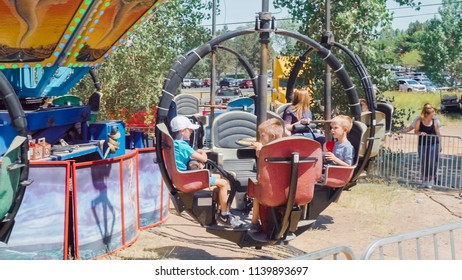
410,85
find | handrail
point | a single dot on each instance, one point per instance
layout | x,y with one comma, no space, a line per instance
333,251
399,238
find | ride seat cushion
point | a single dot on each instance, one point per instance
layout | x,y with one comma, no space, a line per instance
274,177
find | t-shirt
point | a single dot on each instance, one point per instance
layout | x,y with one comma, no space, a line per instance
183,152
290,117
344,152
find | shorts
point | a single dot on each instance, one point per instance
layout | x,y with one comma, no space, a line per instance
212,180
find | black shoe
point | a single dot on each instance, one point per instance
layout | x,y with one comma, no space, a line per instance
228,220
254,228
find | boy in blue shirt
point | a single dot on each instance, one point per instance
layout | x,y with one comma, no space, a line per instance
182,129
343,152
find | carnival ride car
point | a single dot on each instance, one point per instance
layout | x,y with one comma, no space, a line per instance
287,177
111,205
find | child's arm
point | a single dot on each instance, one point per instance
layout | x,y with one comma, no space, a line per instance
257,146
200,155
346,155
331,157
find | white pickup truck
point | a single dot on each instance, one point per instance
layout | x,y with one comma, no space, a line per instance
186,83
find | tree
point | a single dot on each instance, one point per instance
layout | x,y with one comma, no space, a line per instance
411,59
442,42
134,75
281,44
355,24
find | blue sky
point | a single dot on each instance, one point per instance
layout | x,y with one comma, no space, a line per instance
239,11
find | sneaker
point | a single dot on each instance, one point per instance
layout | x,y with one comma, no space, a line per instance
228,220
427,184
254,228
424,184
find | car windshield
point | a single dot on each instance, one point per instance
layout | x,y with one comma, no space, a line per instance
227,92
412,82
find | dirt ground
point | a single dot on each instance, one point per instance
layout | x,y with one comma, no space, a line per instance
371,210
365,213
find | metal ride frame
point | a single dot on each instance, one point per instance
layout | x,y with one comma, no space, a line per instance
264,25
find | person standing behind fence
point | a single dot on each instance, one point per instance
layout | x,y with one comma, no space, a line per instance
429,145
412,125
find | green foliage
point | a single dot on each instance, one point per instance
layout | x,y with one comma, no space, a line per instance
411,59
247,46
409,104
442,42
133,77
355,24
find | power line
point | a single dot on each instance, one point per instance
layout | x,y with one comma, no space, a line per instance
284,19
391,9
426,5
429,14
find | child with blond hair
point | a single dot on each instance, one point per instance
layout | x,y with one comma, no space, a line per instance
343,151
268,131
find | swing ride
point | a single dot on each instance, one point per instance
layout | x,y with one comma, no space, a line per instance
86,192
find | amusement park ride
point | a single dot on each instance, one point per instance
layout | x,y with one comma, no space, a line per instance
46,47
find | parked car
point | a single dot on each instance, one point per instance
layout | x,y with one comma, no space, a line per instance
226,94
410,85
186,83
207,82
228,82
196,83
426,81
449,103
419,75
246,83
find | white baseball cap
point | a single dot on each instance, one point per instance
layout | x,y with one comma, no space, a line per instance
179,123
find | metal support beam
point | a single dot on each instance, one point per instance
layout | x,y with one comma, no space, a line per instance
265,18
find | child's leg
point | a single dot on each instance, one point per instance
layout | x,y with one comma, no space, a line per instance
223,186
255,211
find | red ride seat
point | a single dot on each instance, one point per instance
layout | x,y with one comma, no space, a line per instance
339,176
275,166
184,181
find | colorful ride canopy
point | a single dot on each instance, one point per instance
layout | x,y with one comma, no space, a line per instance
66,36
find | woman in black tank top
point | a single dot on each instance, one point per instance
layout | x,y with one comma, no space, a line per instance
428,147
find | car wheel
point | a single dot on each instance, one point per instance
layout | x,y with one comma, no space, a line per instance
409,90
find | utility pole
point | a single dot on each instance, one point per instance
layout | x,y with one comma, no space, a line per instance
213,70
326,40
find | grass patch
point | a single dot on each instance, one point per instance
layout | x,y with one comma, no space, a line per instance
376,195
414,101
373,198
